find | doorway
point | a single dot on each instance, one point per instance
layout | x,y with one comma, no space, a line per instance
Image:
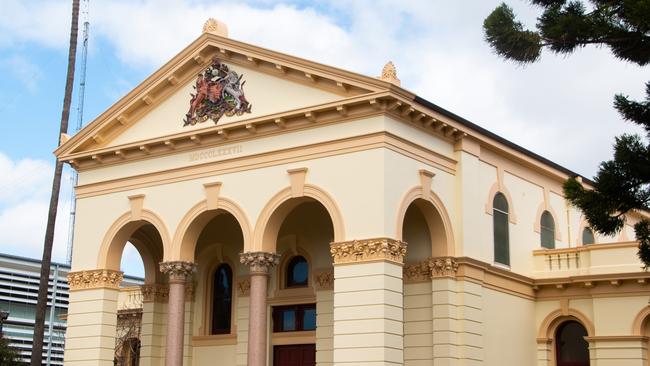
294,355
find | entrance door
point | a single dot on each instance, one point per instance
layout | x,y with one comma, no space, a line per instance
295,355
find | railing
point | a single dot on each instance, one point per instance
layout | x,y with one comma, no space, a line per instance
620,257
130,298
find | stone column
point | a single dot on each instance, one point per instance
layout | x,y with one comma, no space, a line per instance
259,263
368,302
92,317
179,272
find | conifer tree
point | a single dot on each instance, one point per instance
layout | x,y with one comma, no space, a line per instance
621,185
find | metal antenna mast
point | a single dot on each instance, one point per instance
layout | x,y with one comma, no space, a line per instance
80,114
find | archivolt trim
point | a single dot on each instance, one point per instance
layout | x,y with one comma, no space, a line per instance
418,193
557,317
185,251
312,191
126,218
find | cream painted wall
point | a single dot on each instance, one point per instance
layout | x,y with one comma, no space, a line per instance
508,333
267,95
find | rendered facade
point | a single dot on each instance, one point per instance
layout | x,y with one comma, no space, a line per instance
290,213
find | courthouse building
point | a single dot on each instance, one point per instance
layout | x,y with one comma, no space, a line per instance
291,213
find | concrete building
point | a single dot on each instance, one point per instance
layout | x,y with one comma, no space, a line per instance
19,279
291,213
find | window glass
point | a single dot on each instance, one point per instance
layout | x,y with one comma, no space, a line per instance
587,236
293,318
297,272
222,300
571,347
501,235
547,230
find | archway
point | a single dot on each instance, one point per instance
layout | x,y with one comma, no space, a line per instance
425,227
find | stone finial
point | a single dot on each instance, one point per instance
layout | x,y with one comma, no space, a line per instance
215,27
389,73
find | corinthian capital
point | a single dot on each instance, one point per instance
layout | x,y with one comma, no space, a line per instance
368,250
259,262
178,271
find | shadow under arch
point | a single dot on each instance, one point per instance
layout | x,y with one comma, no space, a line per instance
148,234
280,205
437,219
195,220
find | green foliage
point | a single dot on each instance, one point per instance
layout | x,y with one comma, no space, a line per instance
8,355
622,25
622,185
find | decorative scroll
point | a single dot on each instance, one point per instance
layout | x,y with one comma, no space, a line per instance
430,268
368,250
244,286
178,271
154,293
259,262
218,91
324,280
98,278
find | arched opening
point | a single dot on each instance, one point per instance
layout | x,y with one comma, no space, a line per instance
424,232
571,348
219,241
305,231
547,230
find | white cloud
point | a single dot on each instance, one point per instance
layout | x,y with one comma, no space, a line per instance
24,202
25,71
44,22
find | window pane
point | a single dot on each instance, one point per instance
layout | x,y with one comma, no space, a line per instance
222,300
297,272
547,228
288,319
500,203
587,236
501,245
309,319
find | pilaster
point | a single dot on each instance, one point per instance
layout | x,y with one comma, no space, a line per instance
92,317
368,302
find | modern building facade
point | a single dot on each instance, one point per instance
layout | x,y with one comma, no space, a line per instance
19,280
291,213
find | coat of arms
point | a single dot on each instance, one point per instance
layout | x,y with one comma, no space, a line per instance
218,91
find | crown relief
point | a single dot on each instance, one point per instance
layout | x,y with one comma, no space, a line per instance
259,261
430,268
215,27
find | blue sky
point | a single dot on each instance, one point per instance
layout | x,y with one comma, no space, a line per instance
559,107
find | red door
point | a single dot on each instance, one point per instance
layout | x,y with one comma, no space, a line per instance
295,355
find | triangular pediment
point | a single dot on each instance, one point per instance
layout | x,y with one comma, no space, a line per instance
272,83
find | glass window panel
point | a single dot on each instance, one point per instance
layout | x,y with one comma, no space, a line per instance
288,320
309,319
501,245
500,203
297,272
547,230
222,300
587,236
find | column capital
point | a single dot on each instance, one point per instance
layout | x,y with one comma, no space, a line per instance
96,278
178,271
259,262
366,250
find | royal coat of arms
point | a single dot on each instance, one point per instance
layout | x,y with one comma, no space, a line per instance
218,91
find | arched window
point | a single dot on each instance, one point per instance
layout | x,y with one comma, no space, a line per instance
501,236
571,349
297,272
547,230
587,236
222,299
